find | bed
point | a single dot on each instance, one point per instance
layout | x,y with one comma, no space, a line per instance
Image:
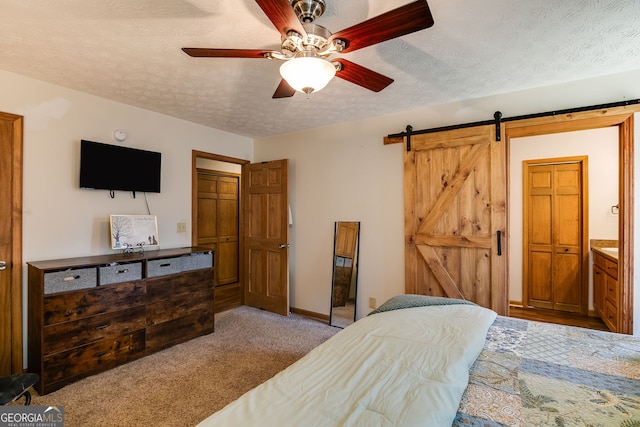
424,361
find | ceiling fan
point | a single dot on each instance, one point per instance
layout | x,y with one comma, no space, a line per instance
307,46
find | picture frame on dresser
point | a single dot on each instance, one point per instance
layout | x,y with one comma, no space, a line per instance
133,231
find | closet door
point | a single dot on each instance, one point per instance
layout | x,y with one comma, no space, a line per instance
217,228
455,216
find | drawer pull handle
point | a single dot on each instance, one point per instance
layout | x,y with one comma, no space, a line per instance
122,271
70,278
102,326
165,265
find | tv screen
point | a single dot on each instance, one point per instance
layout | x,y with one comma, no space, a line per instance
111,167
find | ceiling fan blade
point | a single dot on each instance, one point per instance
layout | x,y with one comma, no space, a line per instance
362,76
283,90
398,22
282,16
225,53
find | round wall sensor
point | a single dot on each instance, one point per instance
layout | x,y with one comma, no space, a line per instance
119,135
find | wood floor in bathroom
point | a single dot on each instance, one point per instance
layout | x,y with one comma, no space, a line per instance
558,317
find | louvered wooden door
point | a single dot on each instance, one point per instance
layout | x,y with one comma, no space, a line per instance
455,216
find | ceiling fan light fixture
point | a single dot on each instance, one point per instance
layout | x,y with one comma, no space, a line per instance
307,73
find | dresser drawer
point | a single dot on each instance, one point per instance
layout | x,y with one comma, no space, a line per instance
119,273
68,366
70,306
64,336
166,334
180,306
162,288
70,280
164,266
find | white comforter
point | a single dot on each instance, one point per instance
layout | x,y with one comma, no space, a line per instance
405,368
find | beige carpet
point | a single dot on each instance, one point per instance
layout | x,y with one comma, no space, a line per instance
184,384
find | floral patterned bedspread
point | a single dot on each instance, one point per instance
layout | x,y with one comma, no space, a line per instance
538,374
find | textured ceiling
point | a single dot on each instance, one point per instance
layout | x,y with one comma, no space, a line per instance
129,51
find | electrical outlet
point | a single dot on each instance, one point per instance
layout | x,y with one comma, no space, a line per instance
372,302
182,227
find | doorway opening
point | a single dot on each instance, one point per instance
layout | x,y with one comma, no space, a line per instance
216,222
618,182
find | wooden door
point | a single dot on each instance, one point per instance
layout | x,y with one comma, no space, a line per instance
455,216
10,244
554,224
265,195
217,227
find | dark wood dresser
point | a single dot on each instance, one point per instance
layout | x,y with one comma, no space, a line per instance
90,314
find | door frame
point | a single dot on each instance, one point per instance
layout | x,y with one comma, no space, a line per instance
195,154
15,267
584,232
622,118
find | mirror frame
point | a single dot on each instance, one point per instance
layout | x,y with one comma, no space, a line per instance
354,273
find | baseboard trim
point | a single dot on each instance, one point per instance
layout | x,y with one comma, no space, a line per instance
311,314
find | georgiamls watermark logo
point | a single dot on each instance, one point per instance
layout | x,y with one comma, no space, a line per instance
31,416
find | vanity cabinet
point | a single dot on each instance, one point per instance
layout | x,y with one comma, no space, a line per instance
90,314
605,288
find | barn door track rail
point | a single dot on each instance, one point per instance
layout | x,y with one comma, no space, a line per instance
498,119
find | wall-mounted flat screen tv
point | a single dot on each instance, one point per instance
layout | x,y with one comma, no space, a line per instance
111,167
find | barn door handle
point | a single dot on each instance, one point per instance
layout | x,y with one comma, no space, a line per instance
499,235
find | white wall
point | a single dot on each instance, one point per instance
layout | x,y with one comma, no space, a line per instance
344,172
61,220
601,148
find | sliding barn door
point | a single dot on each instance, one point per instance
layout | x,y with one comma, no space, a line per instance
455,216
266,228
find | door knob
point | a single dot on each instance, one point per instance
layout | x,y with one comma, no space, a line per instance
3,265
282,246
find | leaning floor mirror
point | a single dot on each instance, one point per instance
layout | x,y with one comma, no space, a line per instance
345,274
